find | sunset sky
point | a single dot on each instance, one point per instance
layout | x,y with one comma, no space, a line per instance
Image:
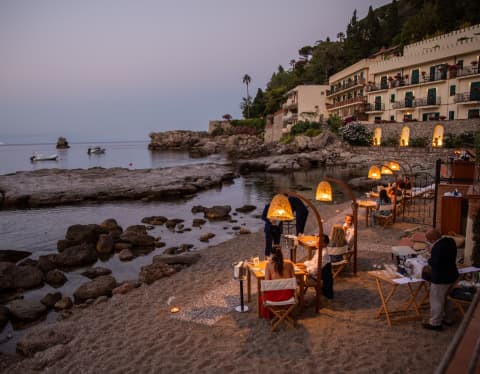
107,70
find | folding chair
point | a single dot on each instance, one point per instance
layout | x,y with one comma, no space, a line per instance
339,263
281,310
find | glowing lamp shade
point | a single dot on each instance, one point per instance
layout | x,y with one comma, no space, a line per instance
374,172
324,191
386,170
395,166
280,209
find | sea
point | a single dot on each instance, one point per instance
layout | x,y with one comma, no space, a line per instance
37,230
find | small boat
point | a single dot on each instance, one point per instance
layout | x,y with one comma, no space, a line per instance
95,150
40,157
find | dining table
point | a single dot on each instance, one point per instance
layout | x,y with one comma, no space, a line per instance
257,270
368,205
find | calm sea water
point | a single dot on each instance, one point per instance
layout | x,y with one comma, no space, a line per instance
38,230
132,155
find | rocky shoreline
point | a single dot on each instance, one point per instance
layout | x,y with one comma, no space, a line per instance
48,187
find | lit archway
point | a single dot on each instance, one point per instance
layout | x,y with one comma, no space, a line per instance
377,137
405,136
437,140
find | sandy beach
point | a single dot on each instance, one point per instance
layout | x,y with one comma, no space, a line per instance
136,333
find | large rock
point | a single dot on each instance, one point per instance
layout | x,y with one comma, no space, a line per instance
46,263
62,143
101,286
64,303
138,239
138,229
183,259
79,255
28,277
246,208
105,243
112,227
50,299
26,310
11,255
218,212
126,255
155,220
150,273
55,278
45,337
7,276
85,233
63,244
178,139
95,272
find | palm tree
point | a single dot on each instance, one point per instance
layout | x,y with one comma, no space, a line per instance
247,80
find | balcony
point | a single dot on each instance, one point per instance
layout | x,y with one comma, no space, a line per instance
427,101
335,89
290,105
356,100
375,108
467,97
467,71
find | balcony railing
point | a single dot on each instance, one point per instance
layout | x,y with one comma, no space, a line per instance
405,82
289,117
465,97
376,107
468,70
341,87
426,101
290,105
356,100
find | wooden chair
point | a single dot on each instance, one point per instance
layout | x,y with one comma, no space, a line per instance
281,310
461,298
382,219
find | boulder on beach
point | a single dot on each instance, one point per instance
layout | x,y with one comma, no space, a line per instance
4,316
85,233
216,212
197,222
62,143
55,278
206,237
79,255
105,243
155,220
95,272
150,273
64,303
101,286
28,277
246,208
46,263
112,227
23,310
44,337
50,299
126,255
138,239
171,223
7,276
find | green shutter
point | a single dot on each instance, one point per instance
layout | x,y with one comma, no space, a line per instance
451,115
415,76
431,96
453,89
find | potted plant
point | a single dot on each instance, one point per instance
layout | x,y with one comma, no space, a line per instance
442,118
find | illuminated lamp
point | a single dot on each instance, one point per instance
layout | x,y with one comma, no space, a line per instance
280,209
324,191
374,172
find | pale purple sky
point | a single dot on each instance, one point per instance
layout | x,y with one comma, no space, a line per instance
106,70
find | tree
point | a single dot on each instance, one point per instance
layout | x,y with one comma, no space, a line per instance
247,80
245,106
258,105
227,117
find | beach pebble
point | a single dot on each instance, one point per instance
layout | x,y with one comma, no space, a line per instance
126,255
244,231
206,237
64,303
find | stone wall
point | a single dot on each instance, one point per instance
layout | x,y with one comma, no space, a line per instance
212,125
425,129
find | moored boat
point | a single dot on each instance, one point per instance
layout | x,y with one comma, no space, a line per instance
95,150
40,157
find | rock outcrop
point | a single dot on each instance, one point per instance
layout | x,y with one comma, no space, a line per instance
62,143
59,186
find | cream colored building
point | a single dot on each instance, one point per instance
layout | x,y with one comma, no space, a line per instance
435,79
304,103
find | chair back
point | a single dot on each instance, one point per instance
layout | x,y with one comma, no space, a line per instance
278,284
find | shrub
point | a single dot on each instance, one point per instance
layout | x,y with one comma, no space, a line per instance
217,131
335,123
287,139
465,139
421,141
303,127
356,134
391,141
255,123
313,132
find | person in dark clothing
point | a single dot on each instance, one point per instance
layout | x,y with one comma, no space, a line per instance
327,275
443,261
301,214
273,231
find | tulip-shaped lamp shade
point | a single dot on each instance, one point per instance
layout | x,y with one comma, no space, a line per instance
280,208
395,166
374,172
324,191
386,170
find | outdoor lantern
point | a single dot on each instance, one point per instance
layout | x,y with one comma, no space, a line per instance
394,165
386,170
324,191
280,209
374,172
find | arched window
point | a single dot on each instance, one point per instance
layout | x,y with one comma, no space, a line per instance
437,140
377,137
405,136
